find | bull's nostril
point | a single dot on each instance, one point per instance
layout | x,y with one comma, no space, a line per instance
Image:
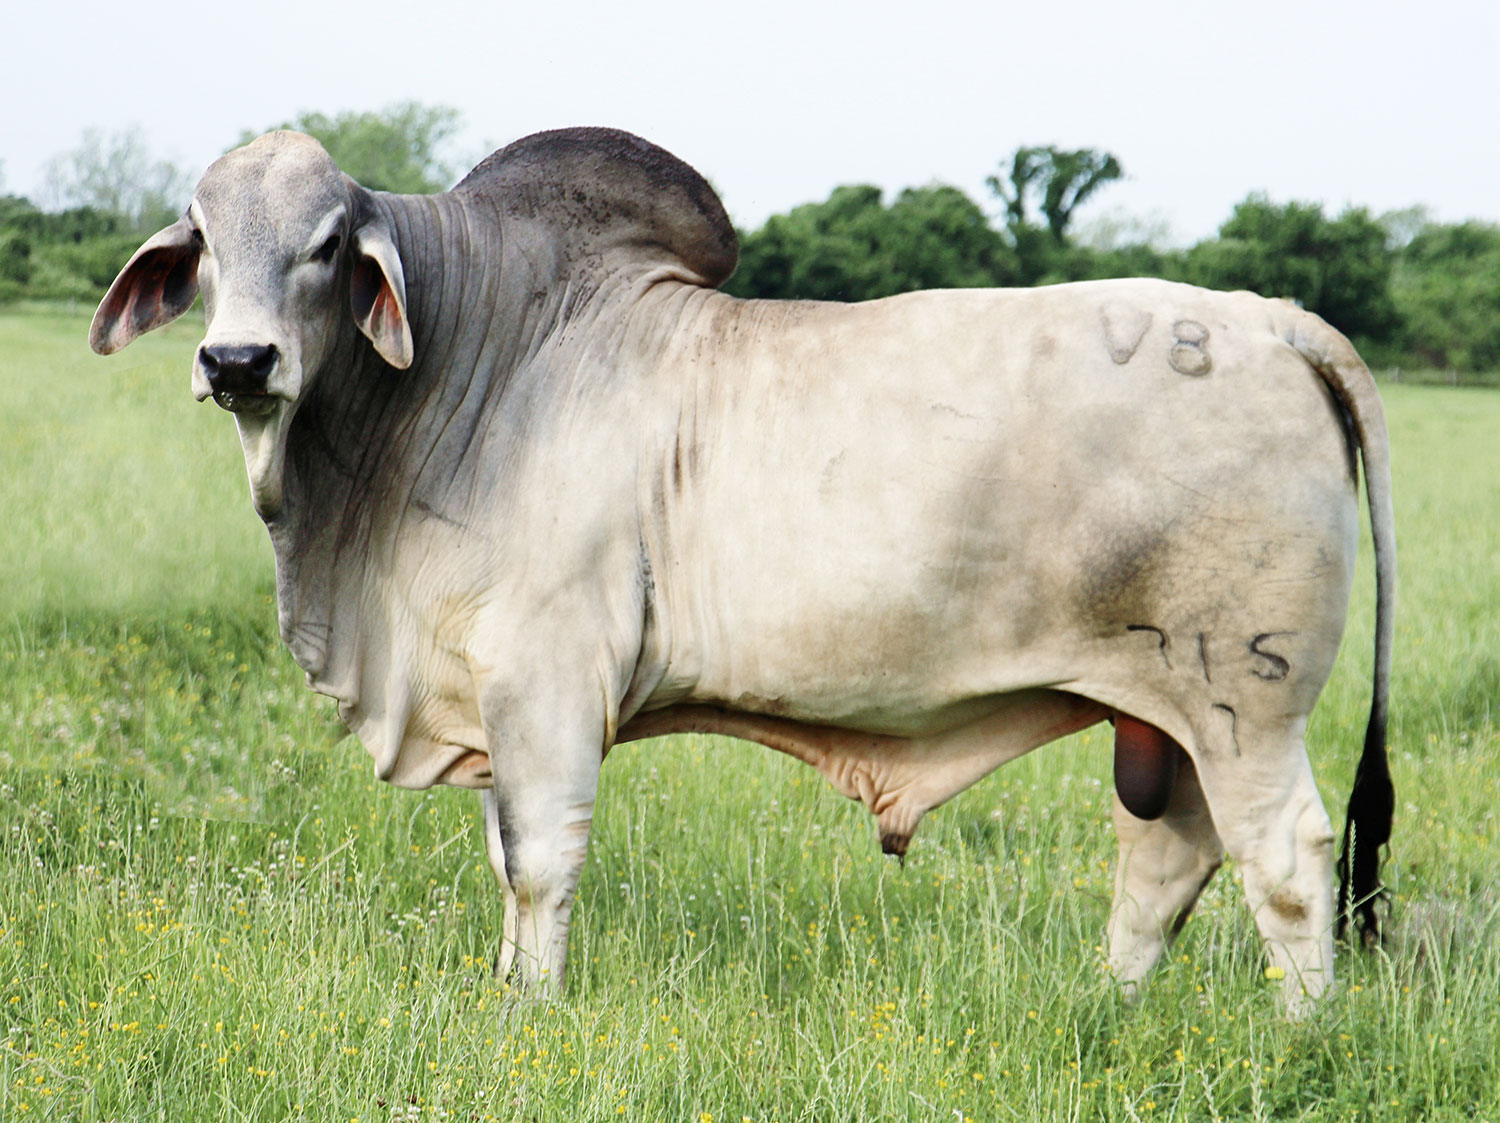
239,369
265,361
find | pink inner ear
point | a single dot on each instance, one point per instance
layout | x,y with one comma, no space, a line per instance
136,308
381,317
385,318
144,308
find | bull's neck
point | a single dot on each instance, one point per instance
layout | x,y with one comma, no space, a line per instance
470,333
372,443
357,397
374,450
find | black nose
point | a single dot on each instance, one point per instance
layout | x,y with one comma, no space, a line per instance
238,370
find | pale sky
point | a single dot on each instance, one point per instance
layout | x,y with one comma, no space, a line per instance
1375,104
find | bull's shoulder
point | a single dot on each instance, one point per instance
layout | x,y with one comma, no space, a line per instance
601,188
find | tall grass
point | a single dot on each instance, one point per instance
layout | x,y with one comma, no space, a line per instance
120,492
210,909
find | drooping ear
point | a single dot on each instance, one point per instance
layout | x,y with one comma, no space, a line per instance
377,294
156,286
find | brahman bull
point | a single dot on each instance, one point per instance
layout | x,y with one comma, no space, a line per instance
536,488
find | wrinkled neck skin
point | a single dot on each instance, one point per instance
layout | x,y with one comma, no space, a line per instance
385,485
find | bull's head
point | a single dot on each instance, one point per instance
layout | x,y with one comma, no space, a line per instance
283,247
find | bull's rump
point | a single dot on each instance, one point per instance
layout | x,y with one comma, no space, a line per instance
908,504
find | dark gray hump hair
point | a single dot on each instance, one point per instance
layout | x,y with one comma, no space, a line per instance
605,187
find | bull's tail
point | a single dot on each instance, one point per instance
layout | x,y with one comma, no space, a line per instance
1368,825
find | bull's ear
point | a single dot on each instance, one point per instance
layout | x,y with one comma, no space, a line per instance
377,293
156,286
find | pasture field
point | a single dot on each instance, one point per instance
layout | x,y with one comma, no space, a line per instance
209,909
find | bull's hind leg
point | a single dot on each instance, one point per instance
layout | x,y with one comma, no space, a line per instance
1164,865
1260,789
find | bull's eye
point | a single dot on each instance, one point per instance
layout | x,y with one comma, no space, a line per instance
325,253
197,237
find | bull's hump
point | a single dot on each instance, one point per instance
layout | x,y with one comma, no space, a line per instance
605,187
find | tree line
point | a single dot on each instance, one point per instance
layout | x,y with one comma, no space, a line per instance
100,199
1411,291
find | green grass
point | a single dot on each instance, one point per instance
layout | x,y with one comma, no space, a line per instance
210,909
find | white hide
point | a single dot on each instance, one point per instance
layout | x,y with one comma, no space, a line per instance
904,541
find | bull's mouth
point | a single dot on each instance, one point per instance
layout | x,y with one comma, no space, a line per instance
247,404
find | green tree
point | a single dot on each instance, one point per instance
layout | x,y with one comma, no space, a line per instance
1447,286
854,247
71,254
1057,181
1134,259
15,264
15,210
116,174
1339,268
1119,244
940,238
399,148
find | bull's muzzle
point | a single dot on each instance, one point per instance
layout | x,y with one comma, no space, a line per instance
238,376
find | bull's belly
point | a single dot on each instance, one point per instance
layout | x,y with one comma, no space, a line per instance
898,777
1197,620
1148,597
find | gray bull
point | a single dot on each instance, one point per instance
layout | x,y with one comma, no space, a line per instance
536,488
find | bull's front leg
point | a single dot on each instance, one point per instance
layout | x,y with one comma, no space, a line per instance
494,847
544,758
